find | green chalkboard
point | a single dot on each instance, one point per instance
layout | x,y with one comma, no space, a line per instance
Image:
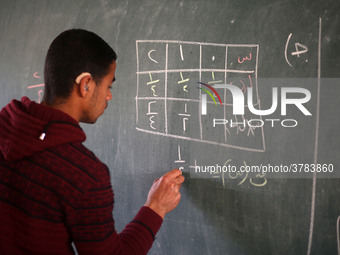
154,122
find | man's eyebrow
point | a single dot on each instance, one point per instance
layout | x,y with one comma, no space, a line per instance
114,79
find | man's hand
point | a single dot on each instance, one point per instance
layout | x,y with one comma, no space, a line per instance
164,194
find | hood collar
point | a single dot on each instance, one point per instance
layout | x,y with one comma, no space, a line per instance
22,124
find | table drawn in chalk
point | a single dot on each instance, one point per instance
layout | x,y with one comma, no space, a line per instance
170,75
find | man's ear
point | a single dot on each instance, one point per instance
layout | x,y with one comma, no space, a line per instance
84,81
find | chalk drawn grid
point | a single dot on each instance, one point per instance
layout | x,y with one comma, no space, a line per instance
168,73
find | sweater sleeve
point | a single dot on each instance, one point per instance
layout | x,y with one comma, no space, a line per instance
92,229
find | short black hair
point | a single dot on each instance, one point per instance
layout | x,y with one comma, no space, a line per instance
71,53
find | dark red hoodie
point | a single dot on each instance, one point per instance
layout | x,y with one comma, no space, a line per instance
54,191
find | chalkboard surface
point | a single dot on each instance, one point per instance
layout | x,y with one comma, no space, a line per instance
155,122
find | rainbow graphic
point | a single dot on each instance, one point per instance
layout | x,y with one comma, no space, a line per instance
208,92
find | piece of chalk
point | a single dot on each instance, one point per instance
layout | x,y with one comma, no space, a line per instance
81,76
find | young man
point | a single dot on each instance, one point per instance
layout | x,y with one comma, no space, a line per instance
53,190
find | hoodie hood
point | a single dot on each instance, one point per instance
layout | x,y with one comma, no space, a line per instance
22,124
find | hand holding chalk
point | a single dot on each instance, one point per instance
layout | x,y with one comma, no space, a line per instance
164,194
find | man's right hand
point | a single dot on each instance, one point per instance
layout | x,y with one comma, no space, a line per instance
164,194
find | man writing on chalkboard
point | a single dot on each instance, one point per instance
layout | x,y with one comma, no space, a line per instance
53,190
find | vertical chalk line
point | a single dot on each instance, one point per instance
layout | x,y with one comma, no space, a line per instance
166,90
312,213
137,83
181,51
225,92
200,96
257,93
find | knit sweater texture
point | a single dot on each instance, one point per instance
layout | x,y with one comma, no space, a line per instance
55,192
